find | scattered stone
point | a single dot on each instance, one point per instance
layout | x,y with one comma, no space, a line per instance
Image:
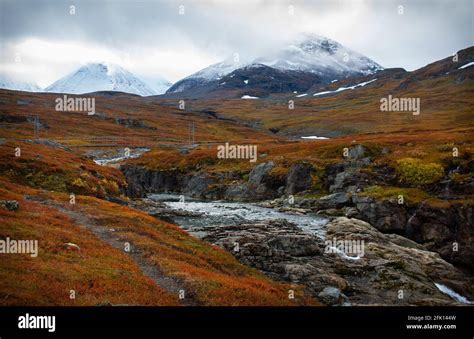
198,184
9,205
335,200
294,210
385,215
331,212
330,295
236,192
357,152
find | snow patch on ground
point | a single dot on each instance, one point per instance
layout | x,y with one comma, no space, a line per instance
249,97
340,89
135,153
314,137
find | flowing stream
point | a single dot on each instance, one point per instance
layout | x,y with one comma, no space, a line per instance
122,155
215,213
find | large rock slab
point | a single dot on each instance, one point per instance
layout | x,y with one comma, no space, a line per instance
391,270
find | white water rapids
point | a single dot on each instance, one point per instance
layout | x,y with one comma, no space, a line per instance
215,213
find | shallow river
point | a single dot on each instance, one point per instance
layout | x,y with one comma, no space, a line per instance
214,213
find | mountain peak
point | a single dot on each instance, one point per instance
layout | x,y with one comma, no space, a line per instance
103,67
93,77
308,53
95,67
310,42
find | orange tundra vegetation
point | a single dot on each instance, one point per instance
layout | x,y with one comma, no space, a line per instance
100,273
126,118
56,169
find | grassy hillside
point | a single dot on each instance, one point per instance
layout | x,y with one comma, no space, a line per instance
446,96
56,169
123,119
100,271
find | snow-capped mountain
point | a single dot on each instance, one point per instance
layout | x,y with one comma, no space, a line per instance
311,53
8,82
317,54
208,74
95,77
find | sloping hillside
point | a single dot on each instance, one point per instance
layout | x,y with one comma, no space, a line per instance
444,88
83,246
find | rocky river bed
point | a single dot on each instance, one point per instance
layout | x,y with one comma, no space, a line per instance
303,248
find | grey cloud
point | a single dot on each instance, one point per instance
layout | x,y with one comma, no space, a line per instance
428,30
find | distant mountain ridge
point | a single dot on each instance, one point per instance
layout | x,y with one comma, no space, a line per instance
8,82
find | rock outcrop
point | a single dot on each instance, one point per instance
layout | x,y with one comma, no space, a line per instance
298,178
391,270
141,181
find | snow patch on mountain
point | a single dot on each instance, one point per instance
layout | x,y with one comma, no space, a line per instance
467,65
158,84
217,71
340,89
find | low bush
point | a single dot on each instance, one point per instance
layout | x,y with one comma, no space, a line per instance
415,173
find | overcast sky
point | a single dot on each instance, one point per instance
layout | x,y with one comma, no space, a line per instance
42,41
